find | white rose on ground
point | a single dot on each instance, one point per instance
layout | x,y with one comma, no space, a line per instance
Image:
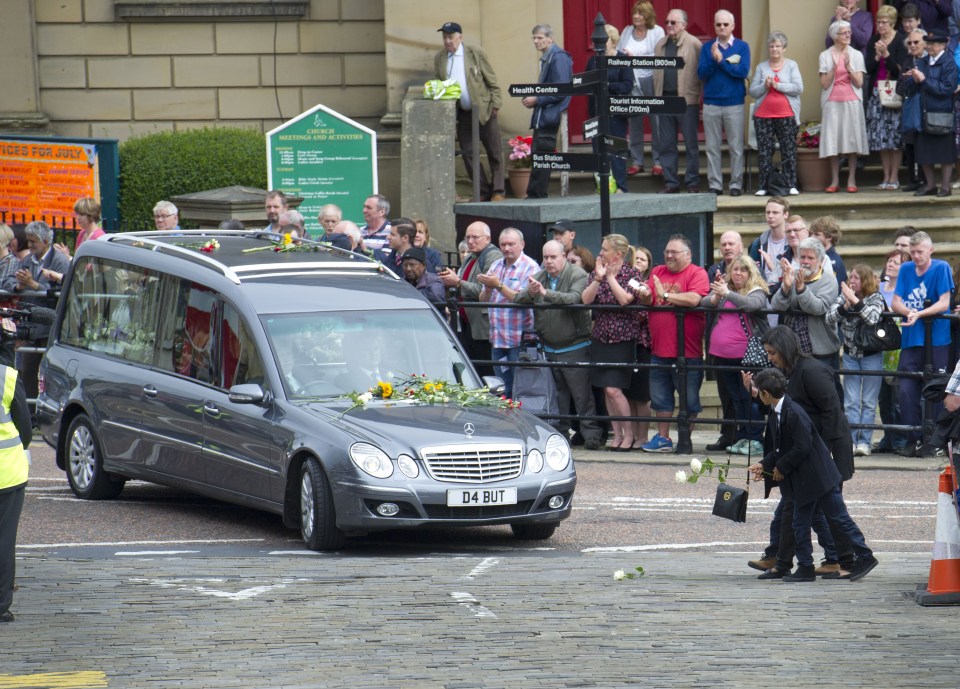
695,465
618,575
681,476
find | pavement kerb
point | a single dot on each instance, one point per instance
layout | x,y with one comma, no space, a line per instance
700,439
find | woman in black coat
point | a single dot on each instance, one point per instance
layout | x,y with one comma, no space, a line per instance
936,84
619,83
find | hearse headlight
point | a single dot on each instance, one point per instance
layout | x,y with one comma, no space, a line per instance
558,453
534,461
408,466
371,460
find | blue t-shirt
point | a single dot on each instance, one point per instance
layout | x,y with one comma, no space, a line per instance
915,290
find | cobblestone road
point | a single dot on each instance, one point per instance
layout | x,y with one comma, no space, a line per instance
126,618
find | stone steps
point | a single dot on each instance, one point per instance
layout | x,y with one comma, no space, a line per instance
868,219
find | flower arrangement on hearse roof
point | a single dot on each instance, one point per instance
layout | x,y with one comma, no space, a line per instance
520,151
421,388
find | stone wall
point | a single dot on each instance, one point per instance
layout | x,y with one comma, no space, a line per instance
107,77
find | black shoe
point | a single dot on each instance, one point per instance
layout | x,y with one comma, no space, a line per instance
719,446
736,192
693,189
802,573
863,567
942,193
669,190
881,447
929,451
773,573
7,617
913,186
932,191
577,440
718,192
592,445
911,450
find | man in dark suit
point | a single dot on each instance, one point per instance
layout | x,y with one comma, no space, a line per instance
795,455
478,86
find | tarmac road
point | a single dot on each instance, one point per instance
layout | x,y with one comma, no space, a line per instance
161,589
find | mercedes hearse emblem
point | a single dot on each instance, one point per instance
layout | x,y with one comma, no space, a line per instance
468,430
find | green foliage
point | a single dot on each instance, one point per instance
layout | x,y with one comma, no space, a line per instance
166,164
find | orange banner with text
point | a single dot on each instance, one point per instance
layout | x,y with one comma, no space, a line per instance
43,180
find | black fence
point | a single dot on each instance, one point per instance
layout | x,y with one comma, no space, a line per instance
683,366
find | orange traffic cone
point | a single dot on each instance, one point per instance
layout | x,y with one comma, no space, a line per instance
943,585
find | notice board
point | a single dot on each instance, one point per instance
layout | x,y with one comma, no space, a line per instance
48,169
323,157
43,179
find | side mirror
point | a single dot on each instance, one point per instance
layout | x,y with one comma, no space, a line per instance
248,393
495,384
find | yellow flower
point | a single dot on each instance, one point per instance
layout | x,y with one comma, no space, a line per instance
386,390
428,387
287,239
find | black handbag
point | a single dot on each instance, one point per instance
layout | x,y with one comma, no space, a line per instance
755,355
882,336
937,123
731,503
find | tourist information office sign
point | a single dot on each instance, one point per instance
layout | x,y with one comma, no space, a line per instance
323,157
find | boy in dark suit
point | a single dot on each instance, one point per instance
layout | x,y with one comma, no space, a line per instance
795,455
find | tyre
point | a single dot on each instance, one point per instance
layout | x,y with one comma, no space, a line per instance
534,532
318,518
84,463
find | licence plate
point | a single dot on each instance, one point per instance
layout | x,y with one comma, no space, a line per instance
469,497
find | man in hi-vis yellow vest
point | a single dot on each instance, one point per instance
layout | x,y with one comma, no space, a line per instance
16,431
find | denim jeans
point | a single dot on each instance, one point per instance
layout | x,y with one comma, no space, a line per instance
505,372
665,382
860,394
744,407
836,513
911,401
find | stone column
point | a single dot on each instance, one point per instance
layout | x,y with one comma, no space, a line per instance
428,165
20,105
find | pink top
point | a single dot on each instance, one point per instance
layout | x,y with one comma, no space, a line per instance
82,237
728,339
775,103
842,89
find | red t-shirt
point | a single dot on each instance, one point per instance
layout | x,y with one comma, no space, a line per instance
663,324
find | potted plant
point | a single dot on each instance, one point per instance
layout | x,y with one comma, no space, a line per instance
521,163
813,172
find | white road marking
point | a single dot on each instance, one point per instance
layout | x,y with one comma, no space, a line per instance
118,544
138,553
472,604
485,564
668,546
186,586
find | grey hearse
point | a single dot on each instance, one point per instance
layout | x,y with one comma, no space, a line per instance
240,366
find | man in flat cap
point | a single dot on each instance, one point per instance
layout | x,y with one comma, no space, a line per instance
478,86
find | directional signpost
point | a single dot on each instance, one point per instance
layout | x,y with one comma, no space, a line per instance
595,83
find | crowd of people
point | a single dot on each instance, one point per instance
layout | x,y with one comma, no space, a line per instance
791,280
872,67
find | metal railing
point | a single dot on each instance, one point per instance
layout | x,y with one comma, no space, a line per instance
683,366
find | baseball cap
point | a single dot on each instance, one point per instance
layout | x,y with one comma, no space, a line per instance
450,27
563,225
